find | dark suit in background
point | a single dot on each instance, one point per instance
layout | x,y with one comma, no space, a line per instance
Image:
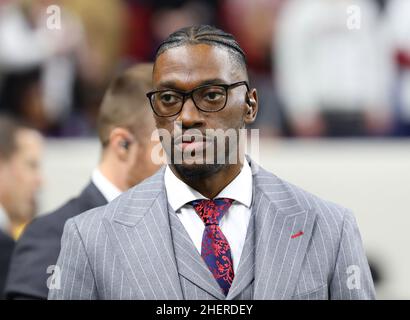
6,250
39,246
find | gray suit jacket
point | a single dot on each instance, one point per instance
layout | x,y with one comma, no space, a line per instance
303,248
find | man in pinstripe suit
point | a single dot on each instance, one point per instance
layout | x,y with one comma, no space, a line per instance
210,230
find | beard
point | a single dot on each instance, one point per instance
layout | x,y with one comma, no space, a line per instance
198,171
203,168
222,151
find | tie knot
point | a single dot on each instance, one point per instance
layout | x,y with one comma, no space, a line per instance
211,211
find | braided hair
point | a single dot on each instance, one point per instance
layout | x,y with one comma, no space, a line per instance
207,35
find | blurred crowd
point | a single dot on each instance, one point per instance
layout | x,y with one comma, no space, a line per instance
321,67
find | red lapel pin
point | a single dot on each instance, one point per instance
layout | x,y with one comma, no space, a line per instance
298,234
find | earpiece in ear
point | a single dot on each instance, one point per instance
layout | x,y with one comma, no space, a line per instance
125,144
248,102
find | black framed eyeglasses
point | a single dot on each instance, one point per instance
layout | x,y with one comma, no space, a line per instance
207,98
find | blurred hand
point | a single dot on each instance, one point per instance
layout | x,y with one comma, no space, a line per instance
378,123
311,126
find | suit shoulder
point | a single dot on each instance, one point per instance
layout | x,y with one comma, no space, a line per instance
323,208
92,216
130,198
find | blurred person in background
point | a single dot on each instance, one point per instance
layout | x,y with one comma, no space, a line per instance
125,125
105,31
333,77
21,33
169,16
254,23
41,53
397,33
138,41
21,150
20,180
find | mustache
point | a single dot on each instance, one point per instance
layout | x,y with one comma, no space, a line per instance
191,138
180,135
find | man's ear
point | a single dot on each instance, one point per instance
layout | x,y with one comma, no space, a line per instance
120,142
252,105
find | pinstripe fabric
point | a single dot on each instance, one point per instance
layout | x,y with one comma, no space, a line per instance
196,279
136,248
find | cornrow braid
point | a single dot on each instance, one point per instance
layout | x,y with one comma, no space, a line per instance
203,34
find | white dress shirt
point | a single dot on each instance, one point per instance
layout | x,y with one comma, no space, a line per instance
234,223
105,186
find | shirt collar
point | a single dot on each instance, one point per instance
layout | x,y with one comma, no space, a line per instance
4,220
105,186
179,193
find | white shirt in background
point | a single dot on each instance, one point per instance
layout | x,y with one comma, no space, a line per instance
105,186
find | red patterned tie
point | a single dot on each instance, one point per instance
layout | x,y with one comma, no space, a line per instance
215,250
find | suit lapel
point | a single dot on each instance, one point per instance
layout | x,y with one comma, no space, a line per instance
142,240
190,263
283,230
